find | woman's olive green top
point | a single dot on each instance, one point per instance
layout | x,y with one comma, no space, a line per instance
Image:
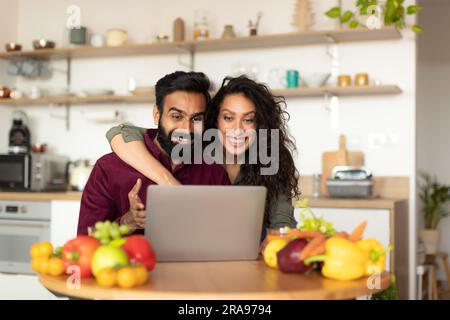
281,213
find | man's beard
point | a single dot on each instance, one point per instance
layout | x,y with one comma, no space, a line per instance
165,140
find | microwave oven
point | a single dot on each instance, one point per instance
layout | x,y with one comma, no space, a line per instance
33,172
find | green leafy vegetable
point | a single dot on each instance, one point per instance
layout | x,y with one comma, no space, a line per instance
389,294
310,222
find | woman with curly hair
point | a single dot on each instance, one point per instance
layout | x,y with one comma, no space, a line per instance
240,106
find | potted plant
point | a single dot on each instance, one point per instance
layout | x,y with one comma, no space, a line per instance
373,14
435,198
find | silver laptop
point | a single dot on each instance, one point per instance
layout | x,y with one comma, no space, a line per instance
205,223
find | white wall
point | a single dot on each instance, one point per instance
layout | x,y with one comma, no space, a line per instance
8,27
360,118
433,106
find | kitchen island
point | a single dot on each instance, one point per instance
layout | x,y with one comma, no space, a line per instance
387,221
236,280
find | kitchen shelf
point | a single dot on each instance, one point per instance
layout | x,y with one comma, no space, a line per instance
78,100
291,93
248,42
339,91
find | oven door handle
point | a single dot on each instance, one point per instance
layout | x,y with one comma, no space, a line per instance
25,223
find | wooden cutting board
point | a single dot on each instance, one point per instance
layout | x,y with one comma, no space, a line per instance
341,157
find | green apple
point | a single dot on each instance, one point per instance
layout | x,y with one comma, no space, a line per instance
108,256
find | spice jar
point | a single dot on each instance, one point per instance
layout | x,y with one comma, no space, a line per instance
344,81
201,31
361,79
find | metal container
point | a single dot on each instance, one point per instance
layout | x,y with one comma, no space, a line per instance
350,188
350,182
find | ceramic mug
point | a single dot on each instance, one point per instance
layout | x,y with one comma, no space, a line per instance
116,37
292,79
97,40
78,35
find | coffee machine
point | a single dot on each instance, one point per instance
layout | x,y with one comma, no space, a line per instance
19,134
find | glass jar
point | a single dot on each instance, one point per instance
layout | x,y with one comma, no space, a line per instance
201,27
273,234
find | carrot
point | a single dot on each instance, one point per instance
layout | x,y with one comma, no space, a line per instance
304,234
319,249
313,246
358,232
341,234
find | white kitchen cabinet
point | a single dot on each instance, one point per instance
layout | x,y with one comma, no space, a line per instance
23,287
387,222
344,219
64,221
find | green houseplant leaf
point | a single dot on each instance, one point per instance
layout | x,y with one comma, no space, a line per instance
346,16
413,9
353,24
435,198
392,12
417,29
334,12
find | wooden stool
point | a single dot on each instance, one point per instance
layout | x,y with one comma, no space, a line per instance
433,260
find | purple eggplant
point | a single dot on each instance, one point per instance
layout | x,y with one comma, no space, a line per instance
289,257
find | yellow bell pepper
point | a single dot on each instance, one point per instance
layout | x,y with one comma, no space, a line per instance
343,260
376,254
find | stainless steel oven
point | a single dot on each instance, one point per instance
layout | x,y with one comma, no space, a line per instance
33,172
22,223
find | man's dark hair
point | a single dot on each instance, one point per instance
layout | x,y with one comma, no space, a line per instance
181,81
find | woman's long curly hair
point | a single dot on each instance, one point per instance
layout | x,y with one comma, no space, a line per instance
270,114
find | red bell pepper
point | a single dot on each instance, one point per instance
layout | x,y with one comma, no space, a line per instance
139,250
79,252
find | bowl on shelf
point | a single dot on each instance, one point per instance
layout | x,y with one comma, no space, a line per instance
5,92
57,92
39,147
13,46
98,92
316,79
43,44
144,91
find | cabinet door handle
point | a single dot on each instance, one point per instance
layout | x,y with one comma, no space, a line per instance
25,224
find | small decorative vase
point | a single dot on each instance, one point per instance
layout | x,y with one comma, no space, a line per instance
228,32
178,30
430,239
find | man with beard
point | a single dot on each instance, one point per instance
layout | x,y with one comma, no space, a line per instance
114,189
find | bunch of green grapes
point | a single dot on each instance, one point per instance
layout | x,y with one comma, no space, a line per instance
107,231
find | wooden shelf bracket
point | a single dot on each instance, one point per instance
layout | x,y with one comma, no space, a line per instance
182,51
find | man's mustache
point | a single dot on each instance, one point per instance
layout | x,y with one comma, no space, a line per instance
181,137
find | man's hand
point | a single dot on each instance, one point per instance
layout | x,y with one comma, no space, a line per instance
135,217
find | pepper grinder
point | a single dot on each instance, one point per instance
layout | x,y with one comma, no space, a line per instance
316,185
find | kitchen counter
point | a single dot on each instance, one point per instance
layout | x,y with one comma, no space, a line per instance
40,196
374,203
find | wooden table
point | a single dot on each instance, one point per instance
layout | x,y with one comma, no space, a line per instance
237,280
